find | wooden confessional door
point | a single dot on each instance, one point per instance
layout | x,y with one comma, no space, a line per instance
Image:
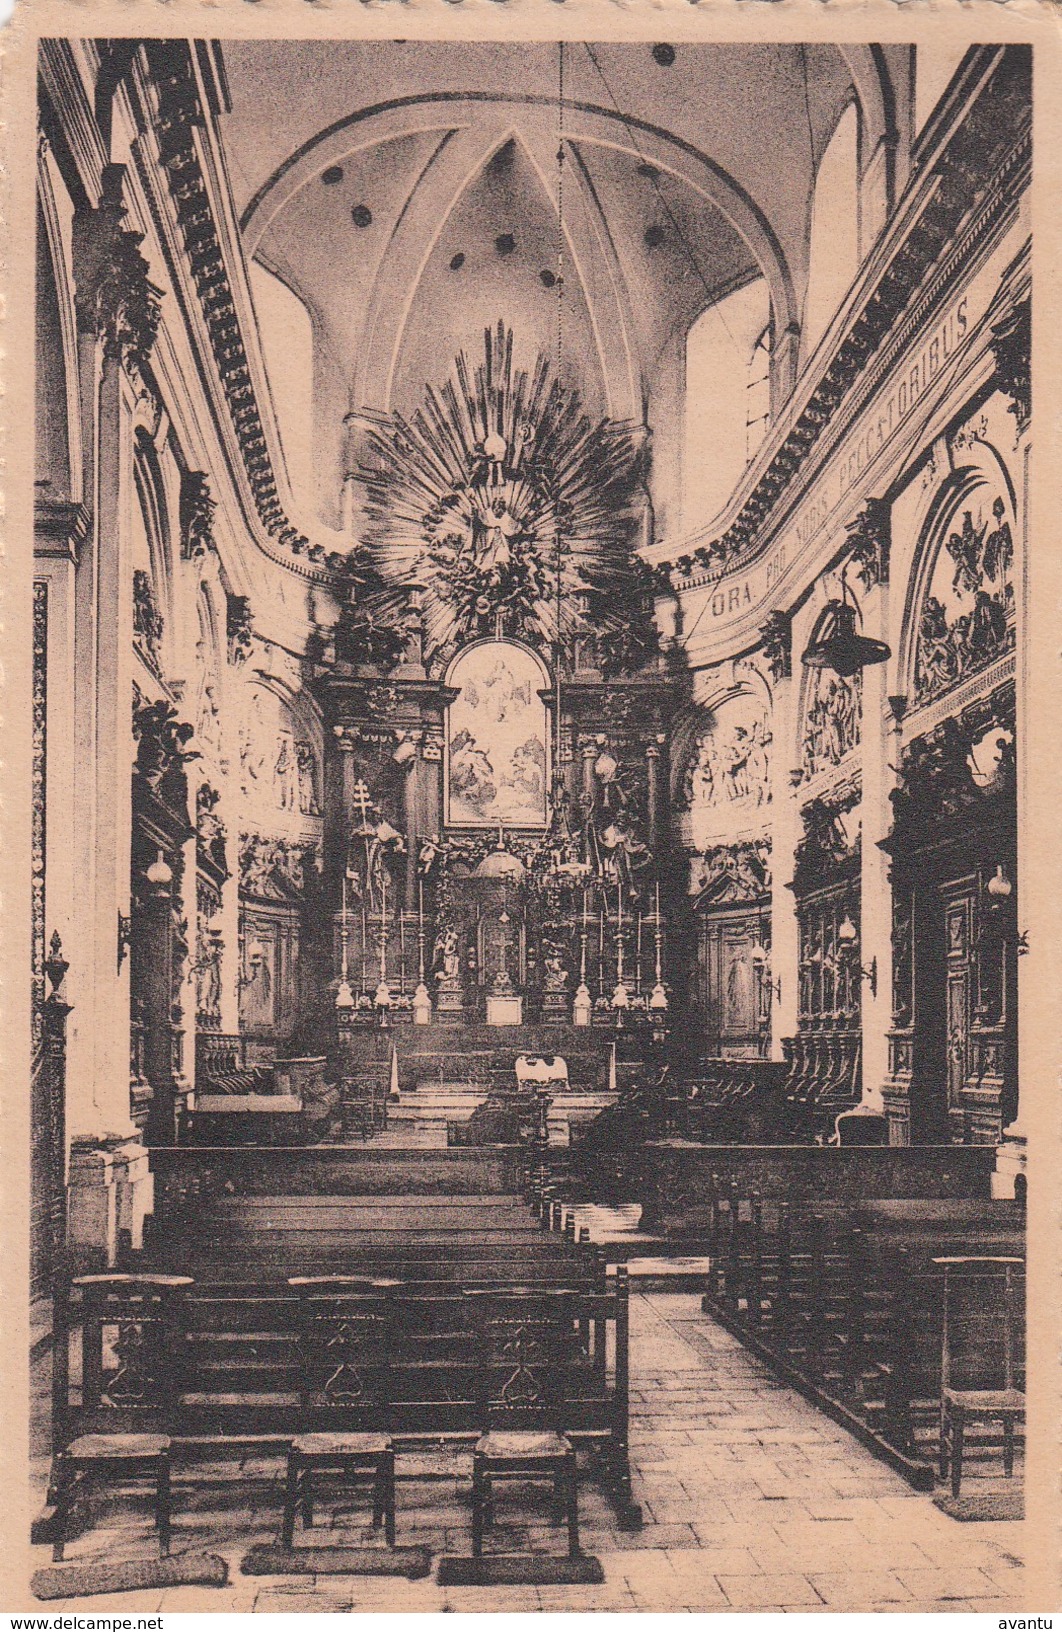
732,994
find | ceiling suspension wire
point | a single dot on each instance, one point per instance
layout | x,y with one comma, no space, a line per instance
558,651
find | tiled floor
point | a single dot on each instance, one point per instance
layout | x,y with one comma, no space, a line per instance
752,1501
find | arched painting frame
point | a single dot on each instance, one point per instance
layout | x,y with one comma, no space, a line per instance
497,738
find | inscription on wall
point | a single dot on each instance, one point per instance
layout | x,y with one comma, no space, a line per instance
732,596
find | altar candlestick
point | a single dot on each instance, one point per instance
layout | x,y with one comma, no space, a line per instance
619,933
402,950
343,933
364,949
638,956
421,997
383,926
601,953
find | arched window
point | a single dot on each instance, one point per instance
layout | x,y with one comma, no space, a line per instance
287,345
935,67
833,256
722,399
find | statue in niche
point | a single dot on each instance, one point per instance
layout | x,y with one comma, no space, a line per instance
208,973
306,763
383,842
208,729
626,854
286,775
253,745
446,958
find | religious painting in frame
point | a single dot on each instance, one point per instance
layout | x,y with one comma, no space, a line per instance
497,738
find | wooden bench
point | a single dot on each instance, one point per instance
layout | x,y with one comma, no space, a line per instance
846,1300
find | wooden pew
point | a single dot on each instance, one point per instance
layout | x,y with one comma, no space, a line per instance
240,1365
846,1302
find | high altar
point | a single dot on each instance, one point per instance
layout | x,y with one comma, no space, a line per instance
495,696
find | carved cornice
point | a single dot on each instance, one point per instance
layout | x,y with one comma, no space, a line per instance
825,854
60,528
178,115
985,160
937,772
733,874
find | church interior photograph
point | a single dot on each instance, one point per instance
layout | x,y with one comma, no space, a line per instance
527,745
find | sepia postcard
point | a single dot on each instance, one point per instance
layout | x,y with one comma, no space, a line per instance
529,992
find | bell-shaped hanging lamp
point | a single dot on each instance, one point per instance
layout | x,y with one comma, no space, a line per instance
839,645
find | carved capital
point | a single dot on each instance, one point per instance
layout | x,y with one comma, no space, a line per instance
197,516
870,538
114,297
1011,342
238,628
777,640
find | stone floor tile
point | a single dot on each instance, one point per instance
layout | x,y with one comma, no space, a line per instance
860,1589
718,1560
955,1582
768,1591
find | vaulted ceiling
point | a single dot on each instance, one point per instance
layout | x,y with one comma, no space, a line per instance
410,194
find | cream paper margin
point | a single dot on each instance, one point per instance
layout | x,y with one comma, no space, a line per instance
963,22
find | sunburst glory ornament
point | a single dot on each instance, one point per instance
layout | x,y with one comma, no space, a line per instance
511,510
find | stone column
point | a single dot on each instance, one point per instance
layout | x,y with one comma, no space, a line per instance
116,315
1033,734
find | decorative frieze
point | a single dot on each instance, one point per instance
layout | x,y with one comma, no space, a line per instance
967,617
832,721
275,869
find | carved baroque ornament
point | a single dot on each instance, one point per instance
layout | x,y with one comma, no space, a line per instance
498,500
115,298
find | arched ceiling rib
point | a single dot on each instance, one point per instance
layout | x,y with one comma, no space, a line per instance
679,184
